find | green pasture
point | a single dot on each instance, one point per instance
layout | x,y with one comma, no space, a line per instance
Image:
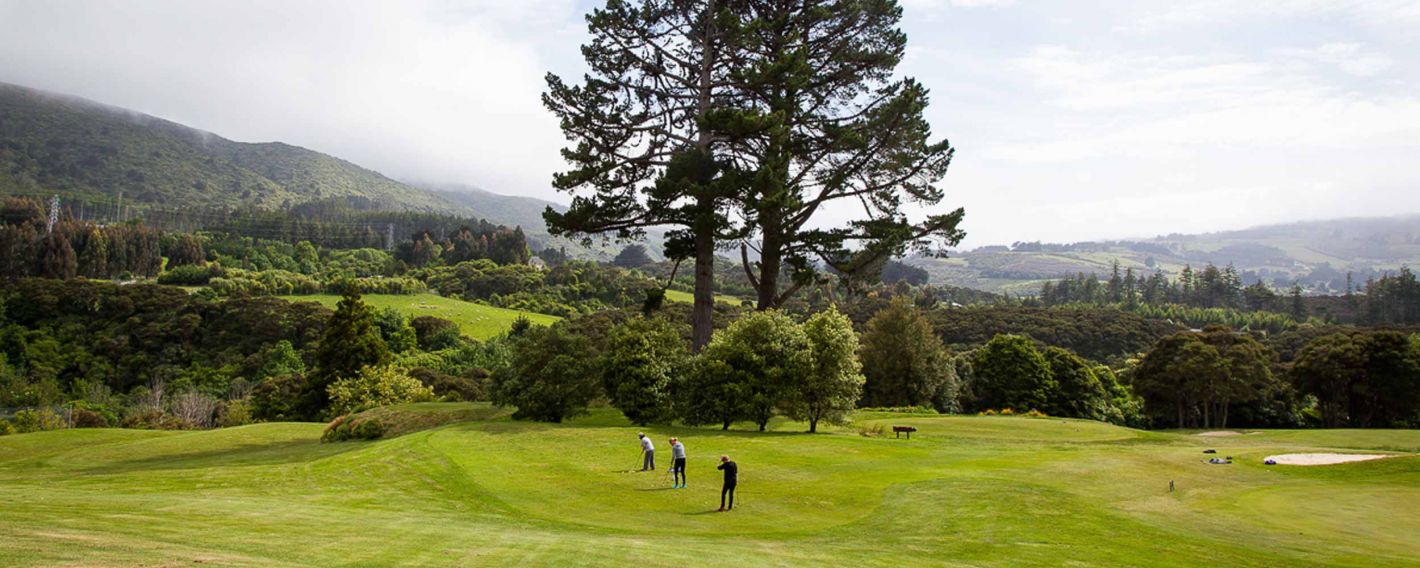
477,321
688,298
487,491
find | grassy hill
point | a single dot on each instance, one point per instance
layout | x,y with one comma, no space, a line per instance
477,321
1318,254
964,491
51,143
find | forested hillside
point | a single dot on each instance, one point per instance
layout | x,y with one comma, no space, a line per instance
77,148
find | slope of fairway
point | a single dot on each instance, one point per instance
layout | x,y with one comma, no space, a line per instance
477,321
964,491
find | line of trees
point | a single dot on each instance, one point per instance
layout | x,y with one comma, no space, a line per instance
1350,377
1389,299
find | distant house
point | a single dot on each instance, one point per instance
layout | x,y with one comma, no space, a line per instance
537,263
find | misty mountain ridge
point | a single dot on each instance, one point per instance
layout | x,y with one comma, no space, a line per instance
80,149
1318,254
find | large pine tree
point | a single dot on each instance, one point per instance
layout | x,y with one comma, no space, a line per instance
643,142
832,124
351,342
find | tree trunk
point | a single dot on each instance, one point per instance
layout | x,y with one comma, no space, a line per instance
1180,414
769,264
704,310
701,327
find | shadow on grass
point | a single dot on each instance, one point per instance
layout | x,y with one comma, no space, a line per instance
286,452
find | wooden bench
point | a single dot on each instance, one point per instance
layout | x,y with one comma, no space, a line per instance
898,430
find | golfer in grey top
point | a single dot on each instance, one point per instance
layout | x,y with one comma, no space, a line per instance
649,451
678,464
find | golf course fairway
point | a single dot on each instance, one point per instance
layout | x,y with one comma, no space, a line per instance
963,491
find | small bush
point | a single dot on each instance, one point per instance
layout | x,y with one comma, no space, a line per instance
84,414
234,413
88,419
871,430
1007,412
5,428
154,419
987,412
349,427
26,421
1036,414
375,387
451,387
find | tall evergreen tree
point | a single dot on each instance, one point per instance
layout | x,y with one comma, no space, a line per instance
904,362
645,150
350,343
832,123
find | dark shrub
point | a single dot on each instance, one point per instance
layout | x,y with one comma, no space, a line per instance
434,334
274,398
154,419
453,387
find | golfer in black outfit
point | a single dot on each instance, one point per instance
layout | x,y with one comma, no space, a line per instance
732,477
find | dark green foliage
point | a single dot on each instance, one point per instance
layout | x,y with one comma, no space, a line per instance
633,256
904,363
1008,372
1195,378
395,330
277,397
1393,299
643,360
553,375
831,390
1094,333
191,275
1362,379
62,333
432,333
573,288
351,343
469,387
896,271
1079,393
749,370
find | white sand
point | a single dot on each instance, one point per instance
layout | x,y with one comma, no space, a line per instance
1219,434
1324,459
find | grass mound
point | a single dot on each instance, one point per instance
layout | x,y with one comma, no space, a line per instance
400,419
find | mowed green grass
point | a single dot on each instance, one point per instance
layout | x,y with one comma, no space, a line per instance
964,491
477,321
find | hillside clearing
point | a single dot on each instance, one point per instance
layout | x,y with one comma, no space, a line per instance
477,321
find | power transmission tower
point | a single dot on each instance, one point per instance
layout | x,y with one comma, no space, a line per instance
389,237
53,215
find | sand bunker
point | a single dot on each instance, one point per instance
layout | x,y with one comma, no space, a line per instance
1324,459
1219,434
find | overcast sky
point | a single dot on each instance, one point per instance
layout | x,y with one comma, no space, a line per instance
1073,120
